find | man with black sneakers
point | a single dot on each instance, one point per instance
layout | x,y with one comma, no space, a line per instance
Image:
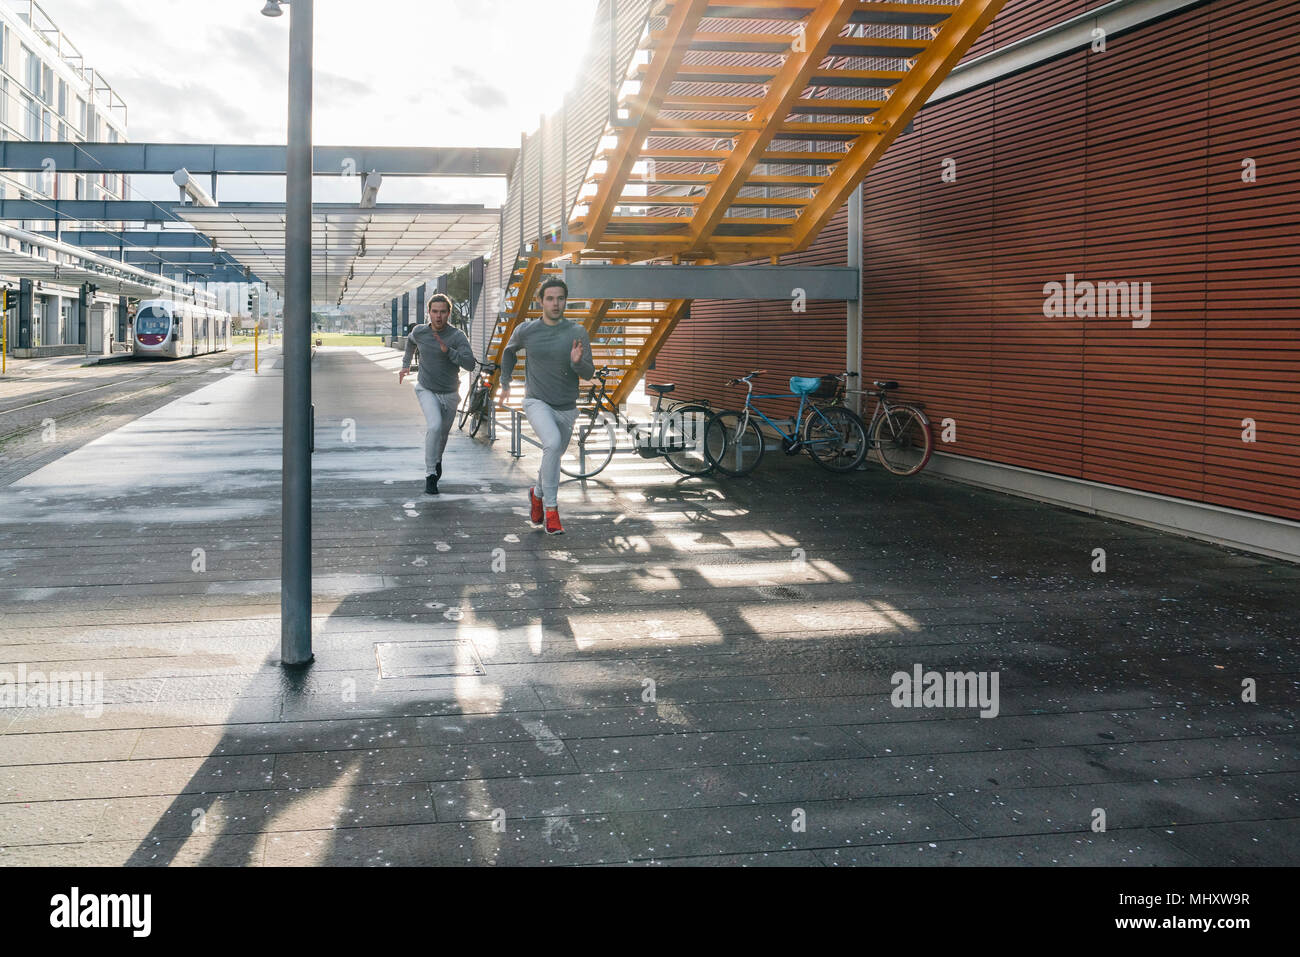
559,355
444,351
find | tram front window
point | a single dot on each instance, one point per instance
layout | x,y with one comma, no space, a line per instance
152,322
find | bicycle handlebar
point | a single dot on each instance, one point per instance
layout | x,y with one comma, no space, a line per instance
746,378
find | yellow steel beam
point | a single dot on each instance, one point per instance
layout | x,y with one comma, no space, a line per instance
597,315
523,296
821,31
649,349
963,27
659,77
867,6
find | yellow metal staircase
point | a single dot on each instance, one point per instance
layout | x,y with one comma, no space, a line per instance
741,128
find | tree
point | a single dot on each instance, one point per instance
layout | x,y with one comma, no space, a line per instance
458,291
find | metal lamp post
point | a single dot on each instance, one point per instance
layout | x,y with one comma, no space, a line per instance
295,549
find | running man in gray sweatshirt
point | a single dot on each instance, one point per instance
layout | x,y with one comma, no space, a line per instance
559,355
444,351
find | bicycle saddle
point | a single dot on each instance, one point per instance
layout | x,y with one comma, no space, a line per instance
662,389
805,385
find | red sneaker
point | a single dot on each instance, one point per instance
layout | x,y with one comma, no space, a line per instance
534,507
553,526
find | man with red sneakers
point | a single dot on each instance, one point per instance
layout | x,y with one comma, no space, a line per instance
559,355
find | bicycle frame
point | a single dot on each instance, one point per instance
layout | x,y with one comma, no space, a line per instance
883,406
792,438
598,397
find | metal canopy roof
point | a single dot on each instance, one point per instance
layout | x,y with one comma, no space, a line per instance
359,256
34,267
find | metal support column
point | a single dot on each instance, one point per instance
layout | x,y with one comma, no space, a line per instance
853,340
396,333
84,302
295,561
420,314
406,313
26,300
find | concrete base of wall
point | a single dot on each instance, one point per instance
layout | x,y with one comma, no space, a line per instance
1275,537
43,352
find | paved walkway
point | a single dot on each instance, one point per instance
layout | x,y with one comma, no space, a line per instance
699,672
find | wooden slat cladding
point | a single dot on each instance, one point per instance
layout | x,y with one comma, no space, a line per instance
1122,167
1252,347
1023,18
722,339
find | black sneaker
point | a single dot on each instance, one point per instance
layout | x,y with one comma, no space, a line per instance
431,485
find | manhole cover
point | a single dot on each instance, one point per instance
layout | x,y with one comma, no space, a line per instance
783,592
427,659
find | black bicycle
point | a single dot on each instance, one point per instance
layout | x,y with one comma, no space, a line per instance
476,407
675,433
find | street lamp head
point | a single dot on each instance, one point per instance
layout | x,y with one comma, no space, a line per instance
272,9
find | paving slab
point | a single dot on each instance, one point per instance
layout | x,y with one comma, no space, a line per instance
701,672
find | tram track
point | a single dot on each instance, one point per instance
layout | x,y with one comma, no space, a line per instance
86,413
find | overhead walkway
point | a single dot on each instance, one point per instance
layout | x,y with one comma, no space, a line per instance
739,130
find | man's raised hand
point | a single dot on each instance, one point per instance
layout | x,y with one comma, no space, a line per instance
575,354
440,342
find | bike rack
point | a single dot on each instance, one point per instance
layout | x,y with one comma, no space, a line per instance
515,428
518,438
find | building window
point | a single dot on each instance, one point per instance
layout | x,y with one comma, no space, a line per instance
63,98
47,125
47,84
80,118
4,101
30,68
31,118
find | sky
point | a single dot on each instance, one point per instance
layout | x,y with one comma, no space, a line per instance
387,72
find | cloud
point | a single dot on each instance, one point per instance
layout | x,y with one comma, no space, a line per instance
485,96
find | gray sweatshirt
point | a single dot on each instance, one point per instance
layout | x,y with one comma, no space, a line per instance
439,371
548,374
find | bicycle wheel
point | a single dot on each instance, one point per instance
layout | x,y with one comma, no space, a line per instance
835,438
683,430
465,409
592,447
731,452
902,440
480,409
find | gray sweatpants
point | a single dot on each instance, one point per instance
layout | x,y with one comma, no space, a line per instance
553,429
439,415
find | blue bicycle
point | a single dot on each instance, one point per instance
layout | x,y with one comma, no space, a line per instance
833,436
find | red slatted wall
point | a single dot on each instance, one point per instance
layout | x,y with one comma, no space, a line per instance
1122,166
1023,18
723,339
